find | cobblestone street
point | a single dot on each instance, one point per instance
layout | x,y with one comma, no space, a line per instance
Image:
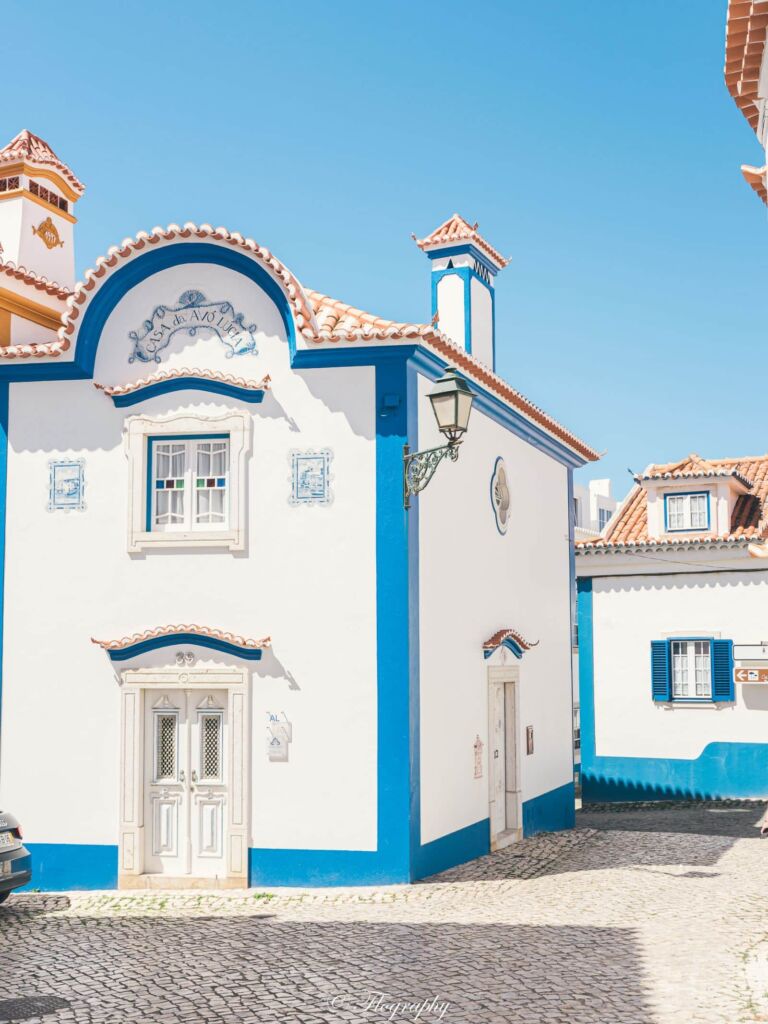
634,918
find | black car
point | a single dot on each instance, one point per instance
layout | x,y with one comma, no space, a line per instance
15,859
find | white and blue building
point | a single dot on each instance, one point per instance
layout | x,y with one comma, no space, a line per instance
672,637
230,654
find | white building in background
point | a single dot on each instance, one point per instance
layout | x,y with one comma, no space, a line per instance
231,653
746,75
673,636
593,506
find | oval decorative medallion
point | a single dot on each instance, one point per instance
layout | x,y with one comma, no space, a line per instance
49,233
500,495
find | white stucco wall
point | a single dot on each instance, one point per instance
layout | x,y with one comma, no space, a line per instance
307,578
450,305
628,613
482,322
473,582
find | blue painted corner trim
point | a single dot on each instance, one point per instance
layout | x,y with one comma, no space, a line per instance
194,639
550,812
251,395
455,848
57,867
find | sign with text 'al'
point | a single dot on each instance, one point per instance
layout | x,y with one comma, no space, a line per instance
750,675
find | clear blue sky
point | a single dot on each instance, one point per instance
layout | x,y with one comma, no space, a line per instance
594,141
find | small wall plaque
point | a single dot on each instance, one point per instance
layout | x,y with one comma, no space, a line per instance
311,477
500,495
529,739
478,749
66,485
279,736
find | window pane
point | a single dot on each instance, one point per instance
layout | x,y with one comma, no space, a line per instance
679,668
211,483
698,511
165,747
703,669
210,746
169,481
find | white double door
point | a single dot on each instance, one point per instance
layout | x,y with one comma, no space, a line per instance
502,756
185,787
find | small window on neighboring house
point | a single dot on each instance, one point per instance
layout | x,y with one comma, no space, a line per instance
692,669
687,511
189,484
603,515
576,512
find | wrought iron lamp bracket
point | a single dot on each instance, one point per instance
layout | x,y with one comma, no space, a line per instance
419,467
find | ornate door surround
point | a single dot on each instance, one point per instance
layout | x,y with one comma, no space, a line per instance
136,687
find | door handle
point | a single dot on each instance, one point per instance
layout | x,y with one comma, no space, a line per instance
194,776
182,776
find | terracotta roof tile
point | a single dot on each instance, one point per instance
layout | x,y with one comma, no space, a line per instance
501,635
319,319
36,280
161,631
755,177
745,35
34,150
157,378
457,230
629,526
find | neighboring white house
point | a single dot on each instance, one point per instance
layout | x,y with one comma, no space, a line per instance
746,75
673,637
231,653
593,506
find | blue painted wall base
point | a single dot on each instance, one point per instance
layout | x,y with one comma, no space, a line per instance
550,812
455,848
721,770
57,867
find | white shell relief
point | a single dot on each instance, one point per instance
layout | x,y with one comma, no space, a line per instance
500,495
311,477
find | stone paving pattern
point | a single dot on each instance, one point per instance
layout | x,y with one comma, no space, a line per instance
602,925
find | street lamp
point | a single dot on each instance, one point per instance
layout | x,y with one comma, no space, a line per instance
451,400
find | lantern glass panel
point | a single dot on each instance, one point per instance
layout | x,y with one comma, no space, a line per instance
444,407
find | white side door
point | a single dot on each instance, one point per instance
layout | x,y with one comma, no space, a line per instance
166,783
208,750
497,757
511,788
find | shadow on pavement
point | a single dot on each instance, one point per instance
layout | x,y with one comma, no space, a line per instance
193,968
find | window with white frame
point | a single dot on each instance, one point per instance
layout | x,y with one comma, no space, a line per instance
691,669
687,511
187,481
190,483
603,515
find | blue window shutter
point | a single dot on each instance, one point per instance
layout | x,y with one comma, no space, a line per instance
722,670
660,670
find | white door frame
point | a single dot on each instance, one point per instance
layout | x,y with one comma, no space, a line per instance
135,686
497,675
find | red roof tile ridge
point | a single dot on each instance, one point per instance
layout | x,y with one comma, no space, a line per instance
501,635
37,281
458,229
163,375
161,631
32,149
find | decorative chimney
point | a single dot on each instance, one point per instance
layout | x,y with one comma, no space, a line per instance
37,195
464,266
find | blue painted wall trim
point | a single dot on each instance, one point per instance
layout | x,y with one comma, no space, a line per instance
193,639
721,770
550,812
462,250
57,867
251,395
455,848
321,867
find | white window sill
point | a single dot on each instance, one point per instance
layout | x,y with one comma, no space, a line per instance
230,540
